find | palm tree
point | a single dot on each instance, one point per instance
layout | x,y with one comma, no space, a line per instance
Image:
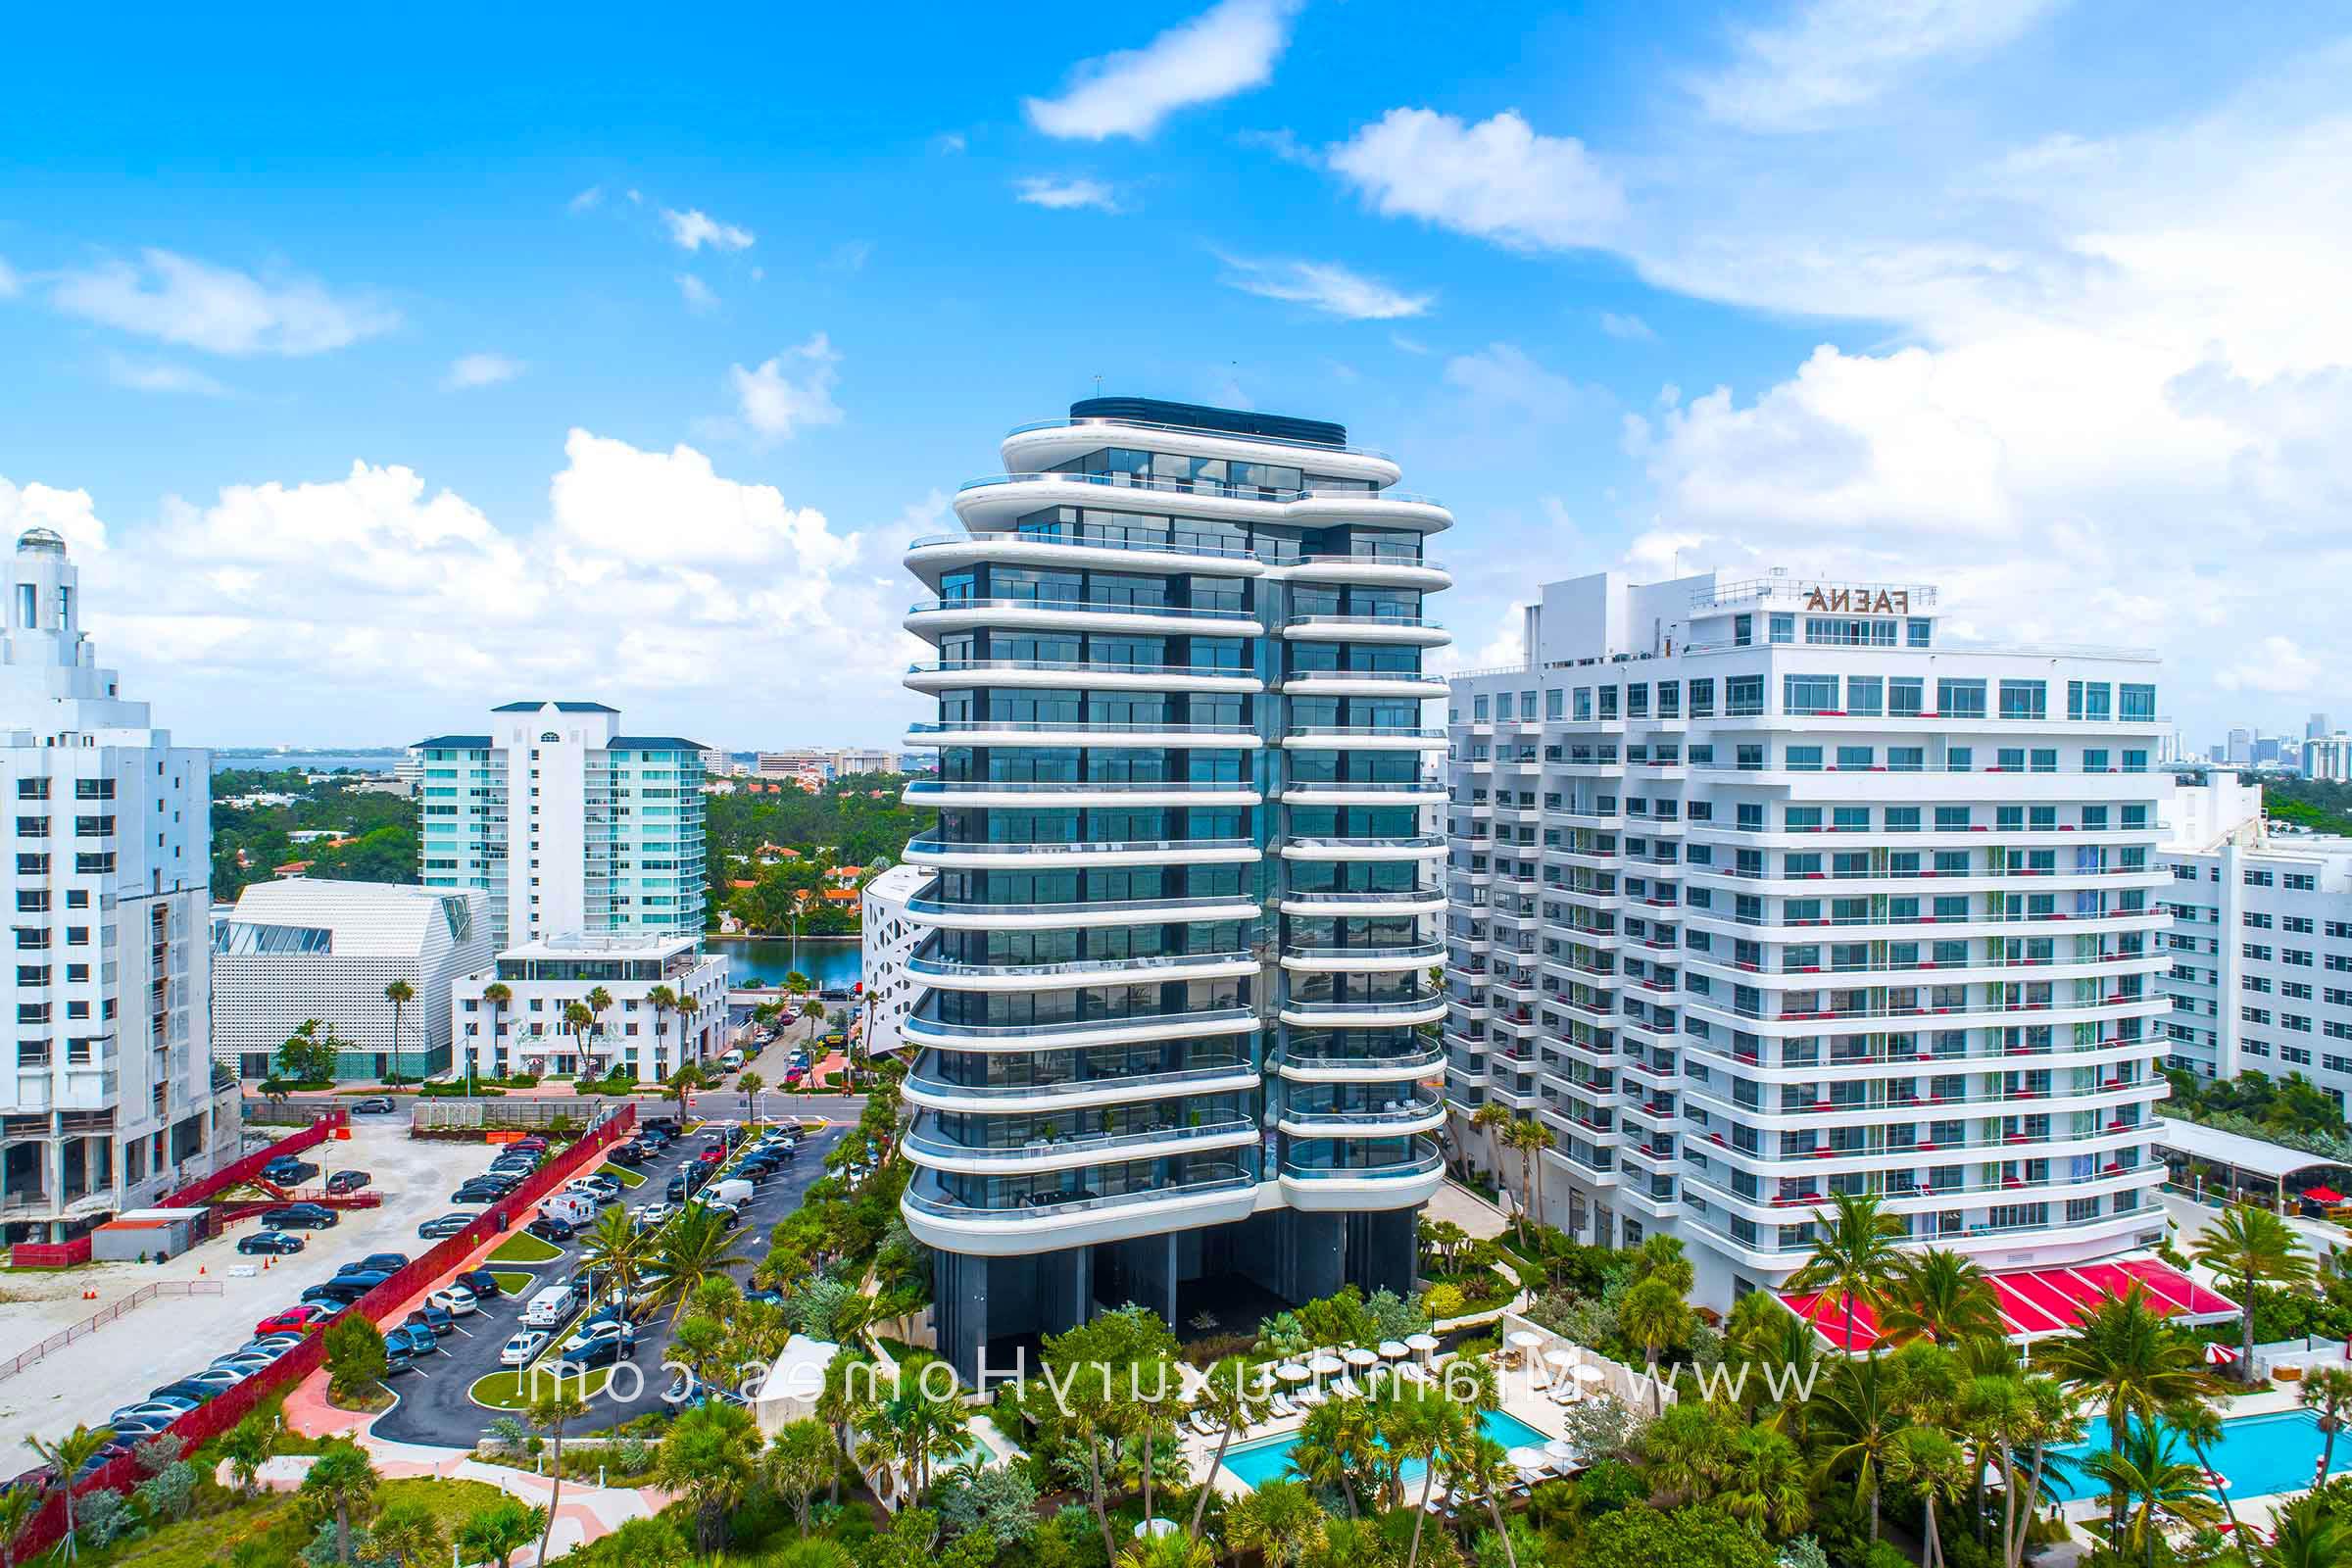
1939,1294
2124,1353
1859,1415
1683,1453
1167,1551
1329,1449
1654,1316
1231,1401
1929,1464
688,1007
1421,1424
342,1481
551,1413
1491,1119
600,1001
495,996
18,1505
399,994
2328,1389
706,1456
618,1250
841,1401
247,1446
1855,1257
2044,1417
577,1021
692,1249
2156,1485
663,1000
915,1428
751,1083
65,1457
1527,1135
2199,1425
495,1534
410,1534
1281,1521
800,1459
2255,1248
1482,1468
1765,1483
2304,1535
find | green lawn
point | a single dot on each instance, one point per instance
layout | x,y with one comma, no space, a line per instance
274,1522
504,1391
513,1281
525,1249
628,1177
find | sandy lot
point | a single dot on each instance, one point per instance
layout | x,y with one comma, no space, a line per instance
170,1337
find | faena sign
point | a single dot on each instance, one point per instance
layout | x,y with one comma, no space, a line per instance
1859,601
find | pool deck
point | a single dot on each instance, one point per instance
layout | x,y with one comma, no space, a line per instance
1520,1401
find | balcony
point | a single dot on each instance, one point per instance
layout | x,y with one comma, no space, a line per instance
1103,674
1076,1033
1039,1154
1034,732
923,1088
1419,1112
968,856
1195,1192
1320,1181
1039,793
953,976
1366,629
961,915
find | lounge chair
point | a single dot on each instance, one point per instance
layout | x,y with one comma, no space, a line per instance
1200,1423
1281,1406
1310,1396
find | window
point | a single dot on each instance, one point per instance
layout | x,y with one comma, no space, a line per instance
1555,702
1784,628
1915,633
2024,699
1608,704
1744,696
1859,759
1865,696
1803,760
1810,693
1702,699
1906,697
1637,700
1481,709
1960,699
2087,700
2136,704
1906,758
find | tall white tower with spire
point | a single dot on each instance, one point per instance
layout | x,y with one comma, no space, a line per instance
108,1096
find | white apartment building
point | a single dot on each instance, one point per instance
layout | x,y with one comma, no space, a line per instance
300,949
663,1005
888,933
564,823
1167,1044
113,1098
2328,757
1761,891
2261,942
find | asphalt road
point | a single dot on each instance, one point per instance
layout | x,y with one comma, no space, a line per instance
434,1407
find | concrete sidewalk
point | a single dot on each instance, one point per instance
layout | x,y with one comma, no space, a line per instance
585,1513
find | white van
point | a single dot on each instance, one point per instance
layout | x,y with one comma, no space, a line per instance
734,1192
573,1209
550,1307
732,1061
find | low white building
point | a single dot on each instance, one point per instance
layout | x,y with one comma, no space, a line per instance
890,935
298,949
521,1028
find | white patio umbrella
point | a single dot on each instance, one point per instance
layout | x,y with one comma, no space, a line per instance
1590,1374
1292,1372
1562,1450
1397,1350
1325,1363
1524,1341
1560,1357
1529,1459
1360,1358
1424,1344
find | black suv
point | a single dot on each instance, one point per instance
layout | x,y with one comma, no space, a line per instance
287,1171
298,1218
348,1181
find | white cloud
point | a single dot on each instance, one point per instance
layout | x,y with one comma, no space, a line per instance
2278,665
1500,378
1834,55
480,369
1631,328
1230,48
791,390
1499,179
692,230
947,144
10,287
587,200
179,299
421,602
1062,195
697,293
159,377
1325,286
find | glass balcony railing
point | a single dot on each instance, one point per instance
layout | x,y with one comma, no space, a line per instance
1076,911
1092,666
1355,1161
1082,606
1012,850
1157,965
1194,1178
923,1142
927,1080
1044,1033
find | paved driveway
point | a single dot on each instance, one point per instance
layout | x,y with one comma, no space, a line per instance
434,1407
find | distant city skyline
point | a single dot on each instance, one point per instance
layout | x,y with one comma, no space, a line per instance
644,392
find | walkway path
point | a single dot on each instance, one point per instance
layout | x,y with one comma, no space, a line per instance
584,1513
1473,1213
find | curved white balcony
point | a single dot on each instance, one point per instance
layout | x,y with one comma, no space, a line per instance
1363,738
1022,1039
1966,1015
1362,1187
1408,1013
930,557
929,619
1070,1153
1404,901
1362,961
1042,793
1094,674
933,1093
997,501
1049,443
1011,732
1359,792
1397,683
1845,977
1009,856
939,1220
1365,629
1427,847
944,975
1407,1113
1320,1069
1364,570
958,916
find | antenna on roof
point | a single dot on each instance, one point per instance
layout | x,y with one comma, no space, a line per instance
1097,386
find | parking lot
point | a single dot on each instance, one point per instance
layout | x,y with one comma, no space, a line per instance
169,1337
435,1406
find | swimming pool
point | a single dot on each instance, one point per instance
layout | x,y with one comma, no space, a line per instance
1256,1463
2261,1454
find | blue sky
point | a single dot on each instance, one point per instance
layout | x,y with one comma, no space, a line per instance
381,373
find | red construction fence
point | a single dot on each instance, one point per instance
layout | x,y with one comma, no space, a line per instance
209,1421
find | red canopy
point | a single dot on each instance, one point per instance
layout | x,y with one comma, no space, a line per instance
2322,1195
2036,1301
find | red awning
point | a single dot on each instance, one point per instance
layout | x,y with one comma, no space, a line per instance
2035,1302
2321,1195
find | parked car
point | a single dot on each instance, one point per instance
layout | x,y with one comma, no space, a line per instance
271,1344
122,1424
287,1171
348,1181
456,1300
481,1282
299,1217
547,1228
482,1190
518,1350
344,1290
397,1361
267,1242
416,1338
530,1144
374,1106
603,1186
434,1320
626,1155
170,1410
384,1262
648,1215
446,1225
295,1319
245,1362
188,1389
600,1351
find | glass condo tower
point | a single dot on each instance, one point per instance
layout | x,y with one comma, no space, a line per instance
1173,1032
